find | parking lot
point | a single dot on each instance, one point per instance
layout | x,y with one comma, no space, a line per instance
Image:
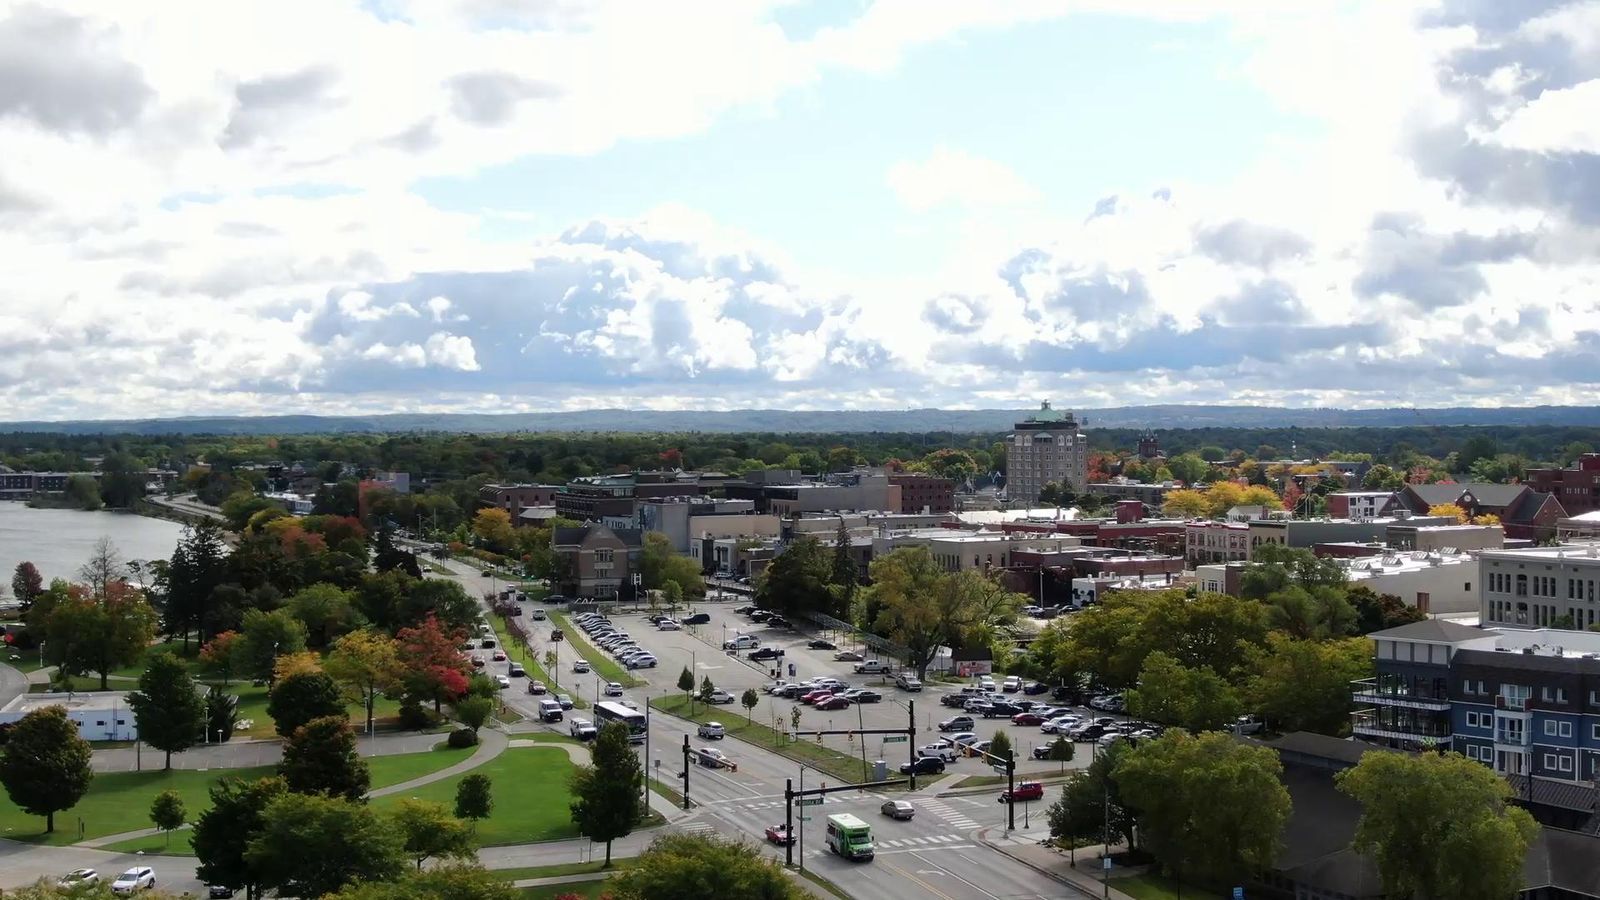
702,647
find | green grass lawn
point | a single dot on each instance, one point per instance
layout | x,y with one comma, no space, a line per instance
120,801
530,796
253,706
839,765
603,665
1155,887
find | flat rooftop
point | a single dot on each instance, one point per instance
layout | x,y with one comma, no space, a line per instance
1573,551
27,703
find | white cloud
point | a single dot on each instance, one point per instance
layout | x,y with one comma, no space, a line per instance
954,177
1560,121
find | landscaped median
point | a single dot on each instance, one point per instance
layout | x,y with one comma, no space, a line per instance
603,665
816,755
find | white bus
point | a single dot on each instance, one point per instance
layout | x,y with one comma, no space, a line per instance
611,711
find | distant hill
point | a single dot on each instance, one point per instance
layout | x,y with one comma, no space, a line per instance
826,421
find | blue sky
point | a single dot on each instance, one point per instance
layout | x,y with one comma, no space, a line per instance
1078,108
348,206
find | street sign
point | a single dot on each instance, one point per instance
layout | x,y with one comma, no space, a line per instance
999,770
808,801
1105,863
1238,893
894,739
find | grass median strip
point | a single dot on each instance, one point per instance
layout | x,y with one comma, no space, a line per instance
564,869
818,756
603,665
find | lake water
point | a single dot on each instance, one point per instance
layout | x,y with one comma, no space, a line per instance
58,541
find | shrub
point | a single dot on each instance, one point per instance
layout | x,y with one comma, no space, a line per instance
415,717
463,737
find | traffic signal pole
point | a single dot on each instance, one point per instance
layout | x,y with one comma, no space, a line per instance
791,796
909,736
686,771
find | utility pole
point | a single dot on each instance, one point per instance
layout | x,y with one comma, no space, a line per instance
1105,852
647,753
686,771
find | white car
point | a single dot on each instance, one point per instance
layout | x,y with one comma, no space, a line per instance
716,759
721,696
942,749
613,689
581,665
139,878
502,681
669,625
1059,724
77,877
1012,684
712,731
642,661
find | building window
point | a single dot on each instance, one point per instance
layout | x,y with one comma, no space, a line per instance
1594,732
1564,763
1550,761
1564,729
1472,719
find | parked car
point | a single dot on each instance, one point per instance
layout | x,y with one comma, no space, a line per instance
1043,750
872,667
1034,688
138,878
642,661
720,696
760,615
864,695
955,700
1059,724
833,701
218,891
942,749
1027,790
613,689
741,642
816,695
766,653
925,765
961,740
977,748
1001,710
1012,684
712,731
907,682
778,622
1027,718
744,610
957,723
901,809
848,656
1248,725
668,625
820,644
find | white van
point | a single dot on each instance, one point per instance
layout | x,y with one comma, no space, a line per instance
538,615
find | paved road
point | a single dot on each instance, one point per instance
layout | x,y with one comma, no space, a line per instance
13,684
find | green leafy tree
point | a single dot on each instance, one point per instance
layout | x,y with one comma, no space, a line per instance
321,758
552,666
1000,746
452,881
920,605
45,764
1439,825
85,634
366,663
693,867
1197,699
474,797
672,592
1318,613
1305,685
302,697
1274,567
167,813
706,688
1376,612
264,637
1215,631
325,610
605,794
686,684
748,700
474,711
1080,813
1187,468
167,707
1382,478
224,831
796,581
83,492
310,846
1062,751
1207,806
428,830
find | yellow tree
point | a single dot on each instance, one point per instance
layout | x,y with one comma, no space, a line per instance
365,663
1486,519
1223,496
300,663
1186,503
493,527
1449,509
1262,496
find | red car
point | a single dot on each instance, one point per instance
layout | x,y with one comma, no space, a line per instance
499,656
815,696
779,834
1027,718
833,701
1027,790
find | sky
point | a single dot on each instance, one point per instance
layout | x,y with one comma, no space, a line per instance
319,206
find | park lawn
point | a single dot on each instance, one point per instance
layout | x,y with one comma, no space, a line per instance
603,665
386,770
118,802
253,700
531,801
1155,887
839,765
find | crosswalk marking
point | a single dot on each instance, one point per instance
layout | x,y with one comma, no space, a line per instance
945,812
906,845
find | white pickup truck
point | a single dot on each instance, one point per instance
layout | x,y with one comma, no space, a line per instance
872,667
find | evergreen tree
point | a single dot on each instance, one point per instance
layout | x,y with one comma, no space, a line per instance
198,567
222,714
45,764
26,584
844,565
167,707
474,797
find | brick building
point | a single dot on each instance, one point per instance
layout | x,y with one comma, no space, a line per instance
924,493
1577,488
